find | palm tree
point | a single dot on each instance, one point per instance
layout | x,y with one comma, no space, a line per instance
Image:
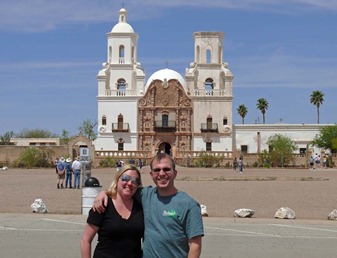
242,111
317,98
262,105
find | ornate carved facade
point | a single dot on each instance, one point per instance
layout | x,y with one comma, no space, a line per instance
164,119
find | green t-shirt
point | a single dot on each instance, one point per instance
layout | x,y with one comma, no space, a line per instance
169,223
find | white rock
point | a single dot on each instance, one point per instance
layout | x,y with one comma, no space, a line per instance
203,210
333,215
38,206
244,213
285,213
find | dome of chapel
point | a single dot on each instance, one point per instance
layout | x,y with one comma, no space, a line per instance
167,74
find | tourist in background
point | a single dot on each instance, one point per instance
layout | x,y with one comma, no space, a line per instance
69,173
235,164
61,168
240,164
311,162
76,166
55,164
324,162
140,164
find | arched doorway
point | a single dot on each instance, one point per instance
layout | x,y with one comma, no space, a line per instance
165,147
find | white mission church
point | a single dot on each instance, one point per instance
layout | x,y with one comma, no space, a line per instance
168,111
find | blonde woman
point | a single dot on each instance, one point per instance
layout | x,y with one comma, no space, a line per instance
121,227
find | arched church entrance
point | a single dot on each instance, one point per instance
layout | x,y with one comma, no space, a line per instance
164,147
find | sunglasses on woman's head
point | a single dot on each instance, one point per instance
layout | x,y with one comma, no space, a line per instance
127,178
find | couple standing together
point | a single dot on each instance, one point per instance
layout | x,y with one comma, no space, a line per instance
169,221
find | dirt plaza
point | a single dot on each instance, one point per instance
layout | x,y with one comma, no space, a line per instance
310,193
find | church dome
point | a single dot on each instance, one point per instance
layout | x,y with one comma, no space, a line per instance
122,26
167,74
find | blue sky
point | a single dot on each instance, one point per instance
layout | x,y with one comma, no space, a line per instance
51,51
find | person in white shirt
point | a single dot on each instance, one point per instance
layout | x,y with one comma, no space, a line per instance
77,165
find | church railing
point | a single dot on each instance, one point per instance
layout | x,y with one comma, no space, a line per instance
209,127
124,127
197,154
121,93
101,154
210,93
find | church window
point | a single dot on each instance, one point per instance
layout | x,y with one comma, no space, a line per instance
120,122
209,122
120,144
225,121
208,146
244,148
103,120
208,86
164,120
208,56
121,87
121,54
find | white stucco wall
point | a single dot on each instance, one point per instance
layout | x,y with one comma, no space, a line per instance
111,108
247,134
218,144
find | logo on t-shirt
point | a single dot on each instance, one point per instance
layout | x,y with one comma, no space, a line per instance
170,213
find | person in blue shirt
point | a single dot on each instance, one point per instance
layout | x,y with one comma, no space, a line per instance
173,222
69,173
61,168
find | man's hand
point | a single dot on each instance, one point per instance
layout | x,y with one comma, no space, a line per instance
101,201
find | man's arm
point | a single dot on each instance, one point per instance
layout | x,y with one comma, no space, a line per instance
101,201
195,247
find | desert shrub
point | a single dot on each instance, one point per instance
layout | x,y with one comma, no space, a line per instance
34,157
107,163
264,159
208,160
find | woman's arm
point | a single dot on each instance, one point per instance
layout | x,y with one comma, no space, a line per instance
87,237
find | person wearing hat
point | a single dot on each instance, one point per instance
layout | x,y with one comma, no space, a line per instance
69,172
77,166
61,172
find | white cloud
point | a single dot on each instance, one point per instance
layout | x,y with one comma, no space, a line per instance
43,15
25,66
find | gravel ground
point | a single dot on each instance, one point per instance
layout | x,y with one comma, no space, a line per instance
310,193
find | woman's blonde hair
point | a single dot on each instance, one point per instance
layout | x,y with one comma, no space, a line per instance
112,191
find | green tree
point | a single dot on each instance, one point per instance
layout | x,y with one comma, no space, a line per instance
242,111
6,138
65,136
262,105
317,98
87,129
35,133
281,149
327,138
